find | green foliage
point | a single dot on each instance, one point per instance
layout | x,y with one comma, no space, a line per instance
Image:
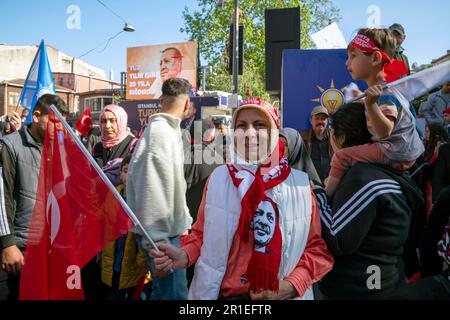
210,26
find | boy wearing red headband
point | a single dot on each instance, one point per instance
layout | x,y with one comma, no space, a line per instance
395,140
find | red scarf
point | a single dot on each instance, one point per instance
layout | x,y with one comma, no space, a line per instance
262,271
393,69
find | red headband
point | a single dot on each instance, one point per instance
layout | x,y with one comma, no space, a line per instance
393,69
366,45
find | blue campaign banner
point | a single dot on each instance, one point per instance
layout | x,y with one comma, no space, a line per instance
312,78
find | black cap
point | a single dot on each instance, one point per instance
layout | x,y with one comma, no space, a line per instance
397,27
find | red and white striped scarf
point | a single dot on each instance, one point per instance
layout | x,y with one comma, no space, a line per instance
262,271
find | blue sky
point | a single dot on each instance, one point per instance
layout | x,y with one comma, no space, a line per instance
159,21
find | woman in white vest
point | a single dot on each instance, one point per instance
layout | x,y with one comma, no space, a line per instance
258,231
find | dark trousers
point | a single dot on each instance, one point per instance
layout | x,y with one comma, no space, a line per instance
431,288
120,294
13,283
93,287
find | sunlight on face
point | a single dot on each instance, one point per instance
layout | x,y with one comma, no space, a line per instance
251,136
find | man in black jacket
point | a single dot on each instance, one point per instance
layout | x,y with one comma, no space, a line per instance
434,283
441,174
20,158
202,156
317,141
431,263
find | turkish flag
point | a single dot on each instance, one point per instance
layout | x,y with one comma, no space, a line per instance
75,216
84,123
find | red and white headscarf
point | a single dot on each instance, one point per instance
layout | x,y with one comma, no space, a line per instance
122,120
270,114
393,69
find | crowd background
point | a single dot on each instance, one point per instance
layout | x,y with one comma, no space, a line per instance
402,227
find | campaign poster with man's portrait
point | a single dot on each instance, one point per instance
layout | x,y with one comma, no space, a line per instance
149,66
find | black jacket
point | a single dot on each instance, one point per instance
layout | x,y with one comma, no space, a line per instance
431,262
197,170
441,174
20,158
366,227
121,150
307,136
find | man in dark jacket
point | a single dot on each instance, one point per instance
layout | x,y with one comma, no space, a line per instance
434,283
20,158
202,156
431,262
441,174
317,140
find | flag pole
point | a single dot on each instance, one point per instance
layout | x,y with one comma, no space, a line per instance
17,106
363,95
417,76
104,177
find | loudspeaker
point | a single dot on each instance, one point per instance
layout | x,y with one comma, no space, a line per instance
282,32
241,50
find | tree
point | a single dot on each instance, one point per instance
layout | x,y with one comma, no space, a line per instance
210,26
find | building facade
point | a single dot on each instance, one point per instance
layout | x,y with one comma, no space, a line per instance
11,90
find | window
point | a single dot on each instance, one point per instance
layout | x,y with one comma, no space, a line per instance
13,99
97,103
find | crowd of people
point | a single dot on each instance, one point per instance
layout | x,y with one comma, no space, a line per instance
356,207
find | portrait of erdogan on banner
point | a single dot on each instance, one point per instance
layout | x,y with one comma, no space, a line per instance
170,63
149,66
263,225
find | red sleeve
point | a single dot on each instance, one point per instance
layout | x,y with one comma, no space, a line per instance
192,243
316,260
389,110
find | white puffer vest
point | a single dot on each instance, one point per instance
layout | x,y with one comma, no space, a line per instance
222,212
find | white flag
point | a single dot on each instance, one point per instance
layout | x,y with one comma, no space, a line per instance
422,82
417,84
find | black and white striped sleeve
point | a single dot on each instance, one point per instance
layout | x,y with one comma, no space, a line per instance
348,220
4,227
7,206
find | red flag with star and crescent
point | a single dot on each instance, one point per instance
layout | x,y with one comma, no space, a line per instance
84,123
75,216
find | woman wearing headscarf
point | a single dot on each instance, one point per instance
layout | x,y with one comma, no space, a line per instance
116,141
297,154
368,223
258,232
115,144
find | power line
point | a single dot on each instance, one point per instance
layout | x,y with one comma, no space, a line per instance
127,28
114,36
111,11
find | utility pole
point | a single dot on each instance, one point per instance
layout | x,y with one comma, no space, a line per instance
205,71
233,99
236,49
